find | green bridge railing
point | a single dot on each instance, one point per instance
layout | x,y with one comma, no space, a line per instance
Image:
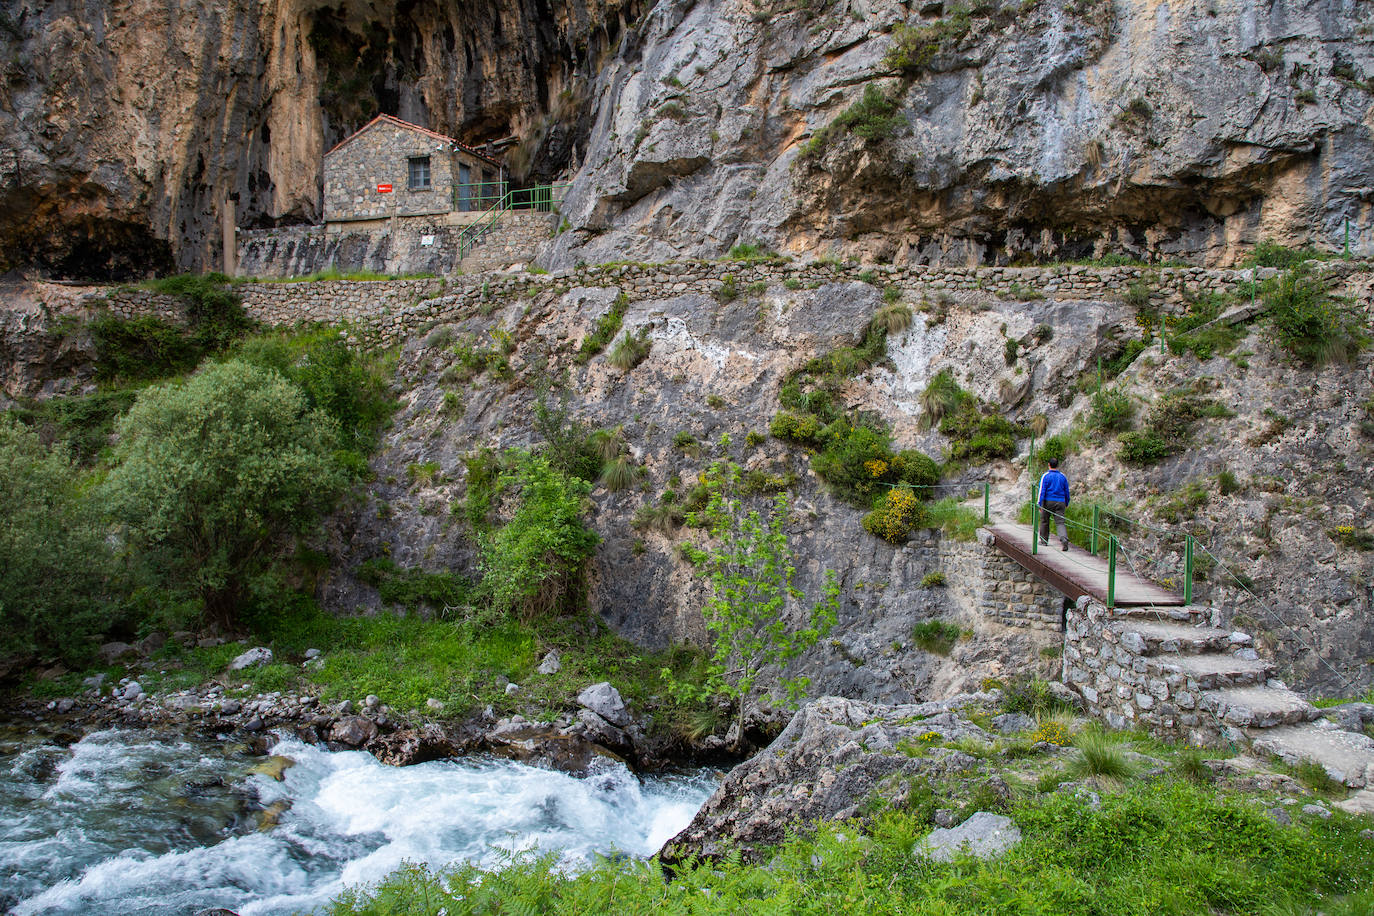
540,198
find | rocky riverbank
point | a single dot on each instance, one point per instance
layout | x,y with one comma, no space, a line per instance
599,723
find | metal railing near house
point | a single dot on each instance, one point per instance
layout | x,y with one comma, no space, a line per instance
540,198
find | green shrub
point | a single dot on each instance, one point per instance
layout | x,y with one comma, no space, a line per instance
630,350
727,291
934,579
936,636
347,385
875,116
914,468
849,460
1268,253
1112,411
1146,447
1309,324
55,564
413,588
941,398
569,447
535,564
915,46
135,349
212,474
750,251
804,428
82,424
607,326
895,514
1055,448
978,436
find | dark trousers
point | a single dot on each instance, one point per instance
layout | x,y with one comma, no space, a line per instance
1052,509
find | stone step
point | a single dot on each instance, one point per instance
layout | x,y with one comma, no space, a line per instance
1212,671
1172,637
1347,757
1257,707
1190,614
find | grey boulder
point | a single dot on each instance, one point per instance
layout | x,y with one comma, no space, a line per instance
984,836
259,655
605,701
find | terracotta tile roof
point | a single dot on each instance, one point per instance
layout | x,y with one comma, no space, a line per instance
397,122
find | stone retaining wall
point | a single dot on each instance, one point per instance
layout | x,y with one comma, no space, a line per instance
404,245
387,310
994,587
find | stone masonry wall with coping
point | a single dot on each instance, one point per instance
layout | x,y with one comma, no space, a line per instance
384,311
405,245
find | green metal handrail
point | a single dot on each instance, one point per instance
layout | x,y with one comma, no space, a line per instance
540,197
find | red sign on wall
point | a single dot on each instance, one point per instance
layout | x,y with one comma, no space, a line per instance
383,189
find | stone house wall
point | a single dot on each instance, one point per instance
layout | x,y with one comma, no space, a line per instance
379,154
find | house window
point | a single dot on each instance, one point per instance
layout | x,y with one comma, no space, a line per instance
419,173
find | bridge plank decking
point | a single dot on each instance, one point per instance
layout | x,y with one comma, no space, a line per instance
1075,572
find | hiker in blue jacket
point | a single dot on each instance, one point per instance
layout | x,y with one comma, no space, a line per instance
1054,499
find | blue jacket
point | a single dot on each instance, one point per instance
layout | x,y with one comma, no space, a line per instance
1054,487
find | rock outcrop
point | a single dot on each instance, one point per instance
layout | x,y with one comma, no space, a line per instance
131,134
991,133
135,137
834,757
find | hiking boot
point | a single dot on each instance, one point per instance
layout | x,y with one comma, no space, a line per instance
1064,545
1044,542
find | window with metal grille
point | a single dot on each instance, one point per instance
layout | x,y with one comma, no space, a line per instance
419,173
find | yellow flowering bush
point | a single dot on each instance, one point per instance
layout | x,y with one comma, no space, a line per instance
896,514
875,467
1052,732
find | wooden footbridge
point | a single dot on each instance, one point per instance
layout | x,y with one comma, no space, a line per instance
1077,572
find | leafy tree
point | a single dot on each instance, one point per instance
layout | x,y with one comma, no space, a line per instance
54,563
213,472
536,563
750,570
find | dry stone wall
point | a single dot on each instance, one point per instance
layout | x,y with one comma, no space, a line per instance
384,311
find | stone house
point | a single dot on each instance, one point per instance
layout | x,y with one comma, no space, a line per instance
391,168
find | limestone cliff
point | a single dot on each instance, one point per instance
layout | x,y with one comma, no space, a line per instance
129,130
991,132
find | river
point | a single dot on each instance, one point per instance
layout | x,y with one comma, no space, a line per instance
140,822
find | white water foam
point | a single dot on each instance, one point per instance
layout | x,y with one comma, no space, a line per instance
117,831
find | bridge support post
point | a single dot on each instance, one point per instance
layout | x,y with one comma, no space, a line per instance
1092,537
1035,520
1188,570
985,502
1111,571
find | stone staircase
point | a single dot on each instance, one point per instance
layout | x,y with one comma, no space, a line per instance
1171,670
1237,689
